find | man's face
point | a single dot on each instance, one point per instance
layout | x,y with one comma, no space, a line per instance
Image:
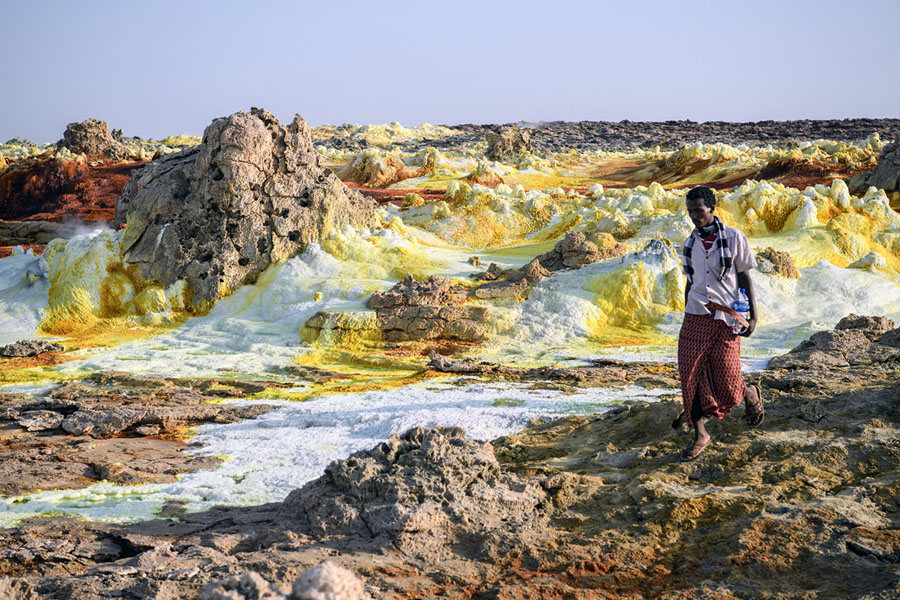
700,214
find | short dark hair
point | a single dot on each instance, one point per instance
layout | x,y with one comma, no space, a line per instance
701,192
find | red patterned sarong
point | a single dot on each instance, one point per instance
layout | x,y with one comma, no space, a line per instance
709,364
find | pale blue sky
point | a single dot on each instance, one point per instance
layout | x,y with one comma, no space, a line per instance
156,68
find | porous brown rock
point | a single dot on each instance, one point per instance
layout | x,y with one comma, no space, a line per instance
16,589
29,348
482,175
855,340
422,492
427,310
575,250
885,176
328,581
81,432
373,169
777,262
508,144
248,586
251,194
92,137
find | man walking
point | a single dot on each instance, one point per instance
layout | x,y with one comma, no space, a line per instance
717,260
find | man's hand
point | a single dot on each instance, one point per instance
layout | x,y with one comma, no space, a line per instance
751,325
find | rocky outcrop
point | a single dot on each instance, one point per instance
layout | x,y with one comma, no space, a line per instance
373,168
485,176
572,252
427,310
422,492
508,144
92,137
49,188
576,250
87,427
29,348
872,260
885,176
855,340
327,581
773,261
605,372
251,194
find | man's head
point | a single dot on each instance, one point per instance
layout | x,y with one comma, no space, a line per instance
701,203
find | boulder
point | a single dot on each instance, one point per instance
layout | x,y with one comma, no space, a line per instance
574,251
885,176
16,589
102,423
427,310
872,260
29,348
872,327
508,144
423,492
328,581
249,586
92,137
251,194
39,420
855,340
775,262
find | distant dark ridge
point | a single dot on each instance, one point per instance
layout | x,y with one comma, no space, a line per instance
624,135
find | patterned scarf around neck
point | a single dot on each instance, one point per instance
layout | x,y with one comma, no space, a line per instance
721,243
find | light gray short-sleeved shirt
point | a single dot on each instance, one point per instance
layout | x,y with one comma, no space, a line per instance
707,265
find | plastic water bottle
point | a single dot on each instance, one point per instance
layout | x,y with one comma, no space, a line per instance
741,305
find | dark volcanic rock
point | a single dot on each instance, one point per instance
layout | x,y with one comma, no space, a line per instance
885,176
29,348
622,135
427,310
92,137
252,193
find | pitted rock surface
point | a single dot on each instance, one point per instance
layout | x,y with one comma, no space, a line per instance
249,586
775,261
92,137
251,194
328,581
855,340
575,250
29,348
420,491
508,144
427,310
885,176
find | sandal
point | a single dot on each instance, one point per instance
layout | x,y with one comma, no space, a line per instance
753,410
693,450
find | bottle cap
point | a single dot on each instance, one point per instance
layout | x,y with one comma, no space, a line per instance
743,291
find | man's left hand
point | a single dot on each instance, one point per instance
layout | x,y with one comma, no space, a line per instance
751,325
